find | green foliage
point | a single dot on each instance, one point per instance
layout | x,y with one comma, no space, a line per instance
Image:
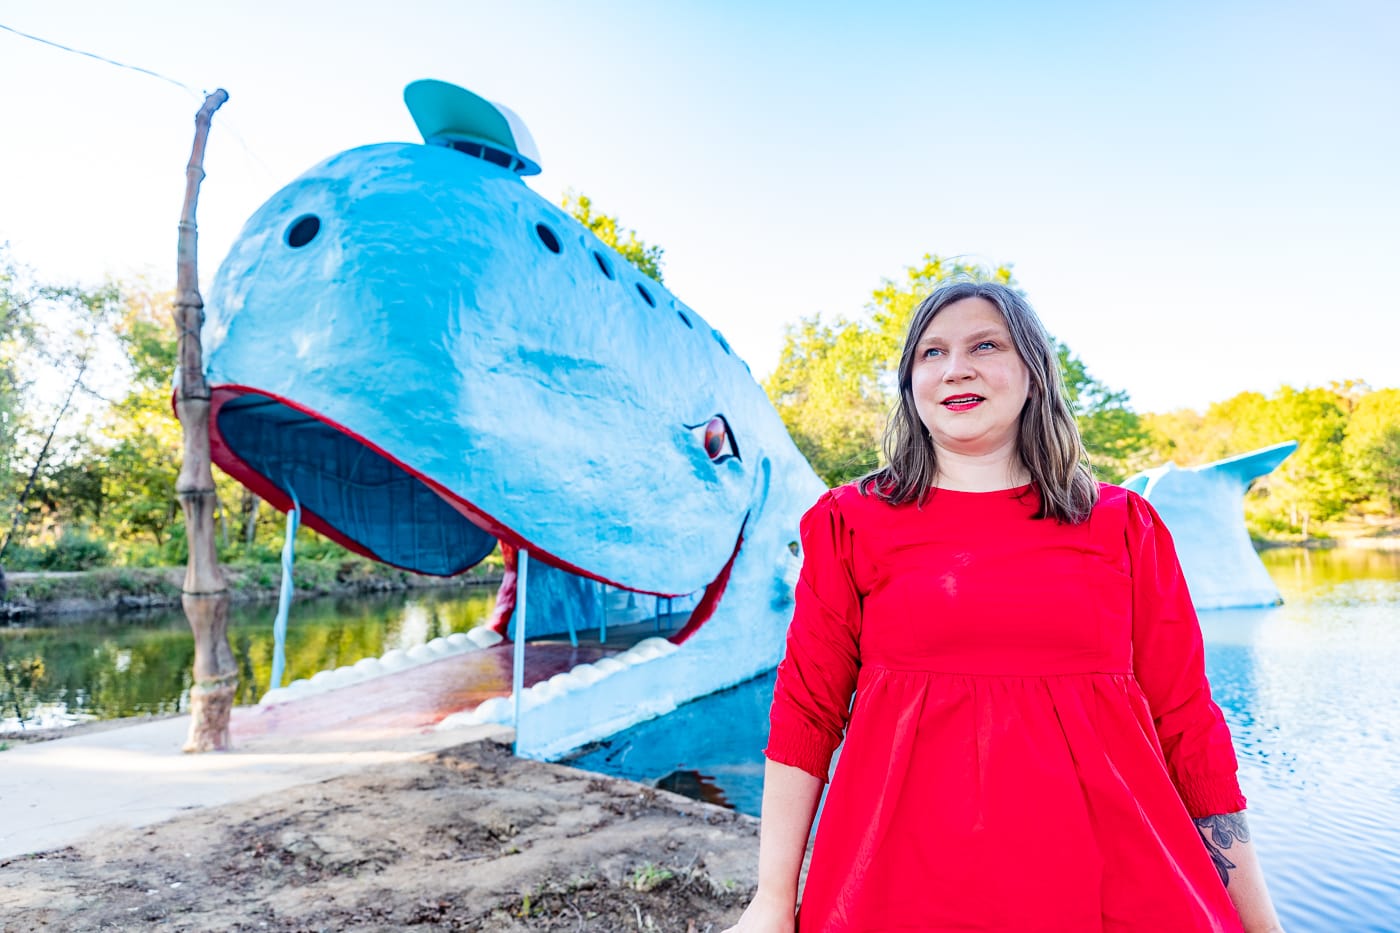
835,381
646,258
51,341
16,332
649,877
1371,450
1113,434
75,549
142,458
826,389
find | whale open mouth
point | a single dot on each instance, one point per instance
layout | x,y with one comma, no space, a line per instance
368,501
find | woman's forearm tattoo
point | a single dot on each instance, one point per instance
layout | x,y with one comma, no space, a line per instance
1219,832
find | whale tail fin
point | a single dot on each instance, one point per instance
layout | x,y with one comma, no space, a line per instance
1246,468
1239,470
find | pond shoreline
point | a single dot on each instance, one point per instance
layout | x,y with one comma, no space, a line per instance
130,589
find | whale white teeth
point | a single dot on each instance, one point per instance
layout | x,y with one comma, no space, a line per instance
497,709
502,709
483,637
396,659
588,674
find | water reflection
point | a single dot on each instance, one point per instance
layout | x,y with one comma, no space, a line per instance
64,670
697,786
1311,694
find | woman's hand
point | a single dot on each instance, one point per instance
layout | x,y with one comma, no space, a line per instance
766,915
790,798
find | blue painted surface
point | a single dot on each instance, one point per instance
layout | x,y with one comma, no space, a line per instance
1204,508
444,362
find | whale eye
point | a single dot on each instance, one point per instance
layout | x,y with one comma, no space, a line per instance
603,265
717,438
303,230
646,295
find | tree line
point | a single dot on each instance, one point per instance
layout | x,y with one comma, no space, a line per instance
89,446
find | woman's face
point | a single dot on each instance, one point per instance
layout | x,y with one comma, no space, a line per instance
968,381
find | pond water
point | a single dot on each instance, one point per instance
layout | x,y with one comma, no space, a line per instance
1311,690
64,670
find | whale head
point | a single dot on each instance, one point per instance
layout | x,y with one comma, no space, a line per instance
431,358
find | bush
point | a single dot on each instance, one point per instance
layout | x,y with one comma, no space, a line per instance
74,550
20,557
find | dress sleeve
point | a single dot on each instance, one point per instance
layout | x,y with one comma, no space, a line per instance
811,700
1169,663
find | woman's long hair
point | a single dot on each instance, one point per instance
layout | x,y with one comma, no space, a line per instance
1047,438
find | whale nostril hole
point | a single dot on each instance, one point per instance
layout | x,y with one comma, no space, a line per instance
303,230
603,265
547,237
646,295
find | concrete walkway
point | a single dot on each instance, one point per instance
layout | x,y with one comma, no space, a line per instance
56,792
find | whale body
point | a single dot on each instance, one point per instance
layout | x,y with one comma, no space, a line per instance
1203,507
433,359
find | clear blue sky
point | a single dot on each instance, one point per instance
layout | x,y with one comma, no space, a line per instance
1199,198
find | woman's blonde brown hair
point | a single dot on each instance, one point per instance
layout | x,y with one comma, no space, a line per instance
1047,437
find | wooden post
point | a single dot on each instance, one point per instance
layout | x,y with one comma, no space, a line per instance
205,595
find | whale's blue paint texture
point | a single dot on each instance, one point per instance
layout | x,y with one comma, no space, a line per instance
429,375
1203,507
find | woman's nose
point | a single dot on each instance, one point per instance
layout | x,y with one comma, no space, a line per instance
959,367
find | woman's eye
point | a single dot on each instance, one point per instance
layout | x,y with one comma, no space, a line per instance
931,352
986,345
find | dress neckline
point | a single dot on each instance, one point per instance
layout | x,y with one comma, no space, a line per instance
1014,492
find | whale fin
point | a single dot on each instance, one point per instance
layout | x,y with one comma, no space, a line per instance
1246,468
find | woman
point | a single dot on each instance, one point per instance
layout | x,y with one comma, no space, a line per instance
1031,734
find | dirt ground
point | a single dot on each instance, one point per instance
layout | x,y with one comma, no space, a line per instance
470,838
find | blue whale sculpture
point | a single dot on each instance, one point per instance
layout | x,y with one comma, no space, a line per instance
1203,507
432,359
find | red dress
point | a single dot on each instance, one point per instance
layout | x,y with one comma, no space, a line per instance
1031,732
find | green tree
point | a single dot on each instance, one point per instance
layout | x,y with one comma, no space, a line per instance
1114,435
16,333
51,337
1312,485
607,228
141,434
1371,449
835,381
